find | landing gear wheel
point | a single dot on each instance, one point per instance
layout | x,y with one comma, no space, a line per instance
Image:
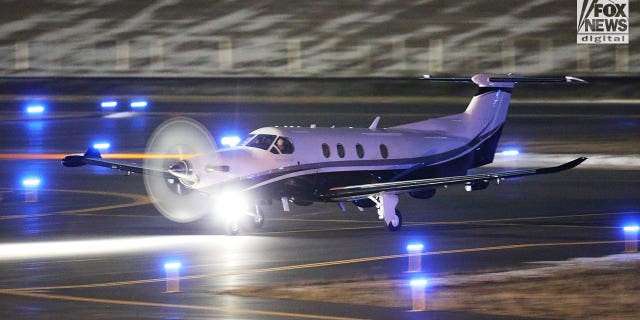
232,227
396,223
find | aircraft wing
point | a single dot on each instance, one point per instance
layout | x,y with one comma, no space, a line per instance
93,157
365,190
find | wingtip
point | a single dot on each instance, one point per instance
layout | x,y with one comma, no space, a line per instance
572,79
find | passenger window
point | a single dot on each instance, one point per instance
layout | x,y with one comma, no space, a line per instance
340,148
384,152
360,151
326,150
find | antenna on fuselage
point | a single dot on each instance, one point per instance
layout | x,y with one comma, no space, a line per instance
374,124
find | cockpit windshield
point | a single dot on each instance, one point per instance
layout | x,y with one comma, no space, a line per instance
282,145
261,141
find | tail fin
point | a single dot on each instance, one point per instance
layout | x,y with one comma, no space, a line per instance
487,110
479,127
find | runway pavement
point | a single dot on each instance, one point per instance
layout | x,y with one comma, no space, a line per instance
92,247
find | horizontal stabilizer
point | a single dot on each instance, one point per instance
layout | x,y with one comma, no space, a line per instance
93,157
509,79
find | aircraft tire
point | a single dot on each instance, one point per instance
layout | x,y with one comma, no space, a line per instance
232,227
393,228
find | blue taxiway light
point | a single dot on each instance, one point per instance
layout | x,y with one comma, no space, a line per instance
172,265
633,228
511,152
413,247
139,104
101,145
230,141
109,104
35,109
31,182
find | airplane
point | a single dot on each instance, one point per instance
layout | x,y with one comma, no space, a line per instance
186,177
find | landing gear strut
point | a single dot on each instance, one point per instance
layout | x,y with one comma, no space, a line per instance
253,218
257,218
386,204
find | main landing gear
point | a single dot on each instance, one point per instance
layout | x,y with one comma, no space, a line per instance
253,218
386,203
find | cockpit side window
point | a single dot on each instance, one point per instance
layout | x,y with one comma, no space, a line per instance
247,139
284,145
261,141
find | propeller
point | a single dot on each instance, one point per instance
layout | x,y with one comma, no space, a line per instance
175,147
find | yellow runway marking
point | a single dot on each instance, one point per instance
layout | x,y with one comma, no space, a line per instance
136,200
167,305
322,220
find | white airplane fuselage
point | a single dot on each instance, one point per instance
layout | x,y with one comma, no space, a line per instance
321,158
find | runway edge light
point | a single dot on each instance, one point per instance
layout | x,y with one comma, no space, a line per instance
109,104
631,238
35,109
102,145
418,294
511,152
172,270
139,104
31,182
230,141
415,257
31,185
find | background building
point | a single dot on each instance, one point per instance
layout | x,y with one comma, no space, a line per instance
184,38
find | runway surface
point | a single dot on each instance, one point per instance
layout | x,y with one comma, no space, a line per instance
92,247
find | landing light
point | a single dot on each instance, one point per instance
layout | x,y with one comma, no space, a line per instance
231,205
230,141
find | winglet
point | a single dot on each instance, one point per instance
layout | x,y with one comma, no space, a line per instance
76,160
92,153
569,165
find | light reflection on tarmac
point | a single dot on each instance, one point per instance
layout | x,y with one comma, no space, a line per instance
92,247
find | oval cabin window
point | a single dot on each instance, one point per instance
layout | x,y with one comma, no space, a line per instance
359,151
340,148
326,150
384,152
